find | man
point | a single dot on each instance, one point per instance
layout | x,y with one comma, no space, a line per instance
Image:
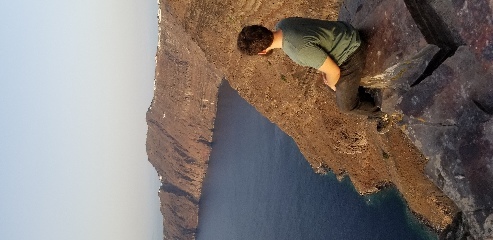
334,48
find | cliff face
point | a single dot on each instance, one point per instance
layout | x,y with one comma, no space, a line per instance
180,122
404,51
437,69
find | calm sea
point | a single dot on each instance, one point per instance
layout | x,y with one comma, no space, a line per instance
260,187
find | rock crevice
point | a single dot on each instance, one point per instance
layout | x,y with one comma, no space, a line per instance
436,32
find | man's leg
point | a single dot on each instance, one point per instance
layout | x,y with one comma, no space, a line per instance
348,97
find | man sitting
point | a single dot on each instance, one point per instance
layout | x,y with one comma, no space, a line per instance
332,47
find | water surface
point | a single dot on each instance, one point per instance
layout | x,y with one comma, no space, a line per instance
259,186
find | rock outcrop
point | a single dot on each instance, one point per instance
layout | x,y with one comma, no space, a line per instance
411,50
439,82
180,122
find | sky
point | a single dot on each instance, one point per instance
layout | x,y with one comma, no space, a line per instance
76,79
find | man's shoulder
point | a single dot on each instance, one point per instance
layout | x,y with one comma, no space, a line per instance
291,21
282,23
308,21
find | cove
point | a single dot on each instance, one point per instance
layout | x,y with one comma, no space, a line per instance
259,186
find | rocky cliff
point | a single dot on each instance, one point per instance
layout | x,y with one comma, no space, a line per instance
180,122
446,117
437,73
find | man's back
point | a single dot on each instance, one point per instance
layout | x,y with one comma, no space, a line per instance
309,42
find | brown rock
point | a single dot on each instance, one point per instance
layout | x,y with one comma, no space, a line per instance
180,121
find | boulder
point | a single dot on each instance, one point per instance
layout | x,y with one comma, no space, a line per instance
391,38
470,23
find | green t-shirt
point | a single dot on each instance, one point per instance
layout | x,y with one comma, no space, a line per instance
309,42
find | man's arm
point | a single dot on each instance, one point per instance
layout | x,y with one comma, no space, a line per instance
330,72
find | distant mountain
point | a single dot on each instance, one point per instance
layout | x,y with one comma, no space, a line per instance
180,123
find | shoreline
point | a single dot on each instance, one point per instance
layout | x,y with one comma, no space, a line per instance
388,193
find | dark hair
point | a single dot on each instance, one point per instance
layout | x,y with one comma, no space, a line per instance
254,39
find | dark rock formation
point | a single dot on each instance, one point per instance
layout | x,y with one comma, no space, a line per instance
442,91
392,38
404,46
445,119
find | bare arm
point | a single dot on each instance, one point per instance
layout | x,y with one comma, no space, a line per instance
330,72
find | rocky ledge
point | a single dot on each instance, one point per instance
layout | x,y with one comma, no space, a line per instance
431,60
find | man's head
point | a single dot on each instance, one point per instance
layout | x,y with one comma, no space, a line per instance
254,39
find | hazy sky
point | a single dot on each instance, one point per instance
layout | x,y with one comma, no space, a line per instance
76,79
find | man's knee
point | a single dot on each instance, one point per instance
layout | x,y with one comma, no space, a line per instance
346,106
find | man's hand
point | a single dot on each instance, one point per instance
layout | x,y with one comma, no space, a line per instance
330,72
324,76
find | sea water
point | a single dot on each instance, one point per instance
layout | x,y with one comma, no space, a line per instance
260,187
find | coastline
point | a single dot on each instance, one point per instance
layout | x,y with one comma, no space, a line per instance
256,173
